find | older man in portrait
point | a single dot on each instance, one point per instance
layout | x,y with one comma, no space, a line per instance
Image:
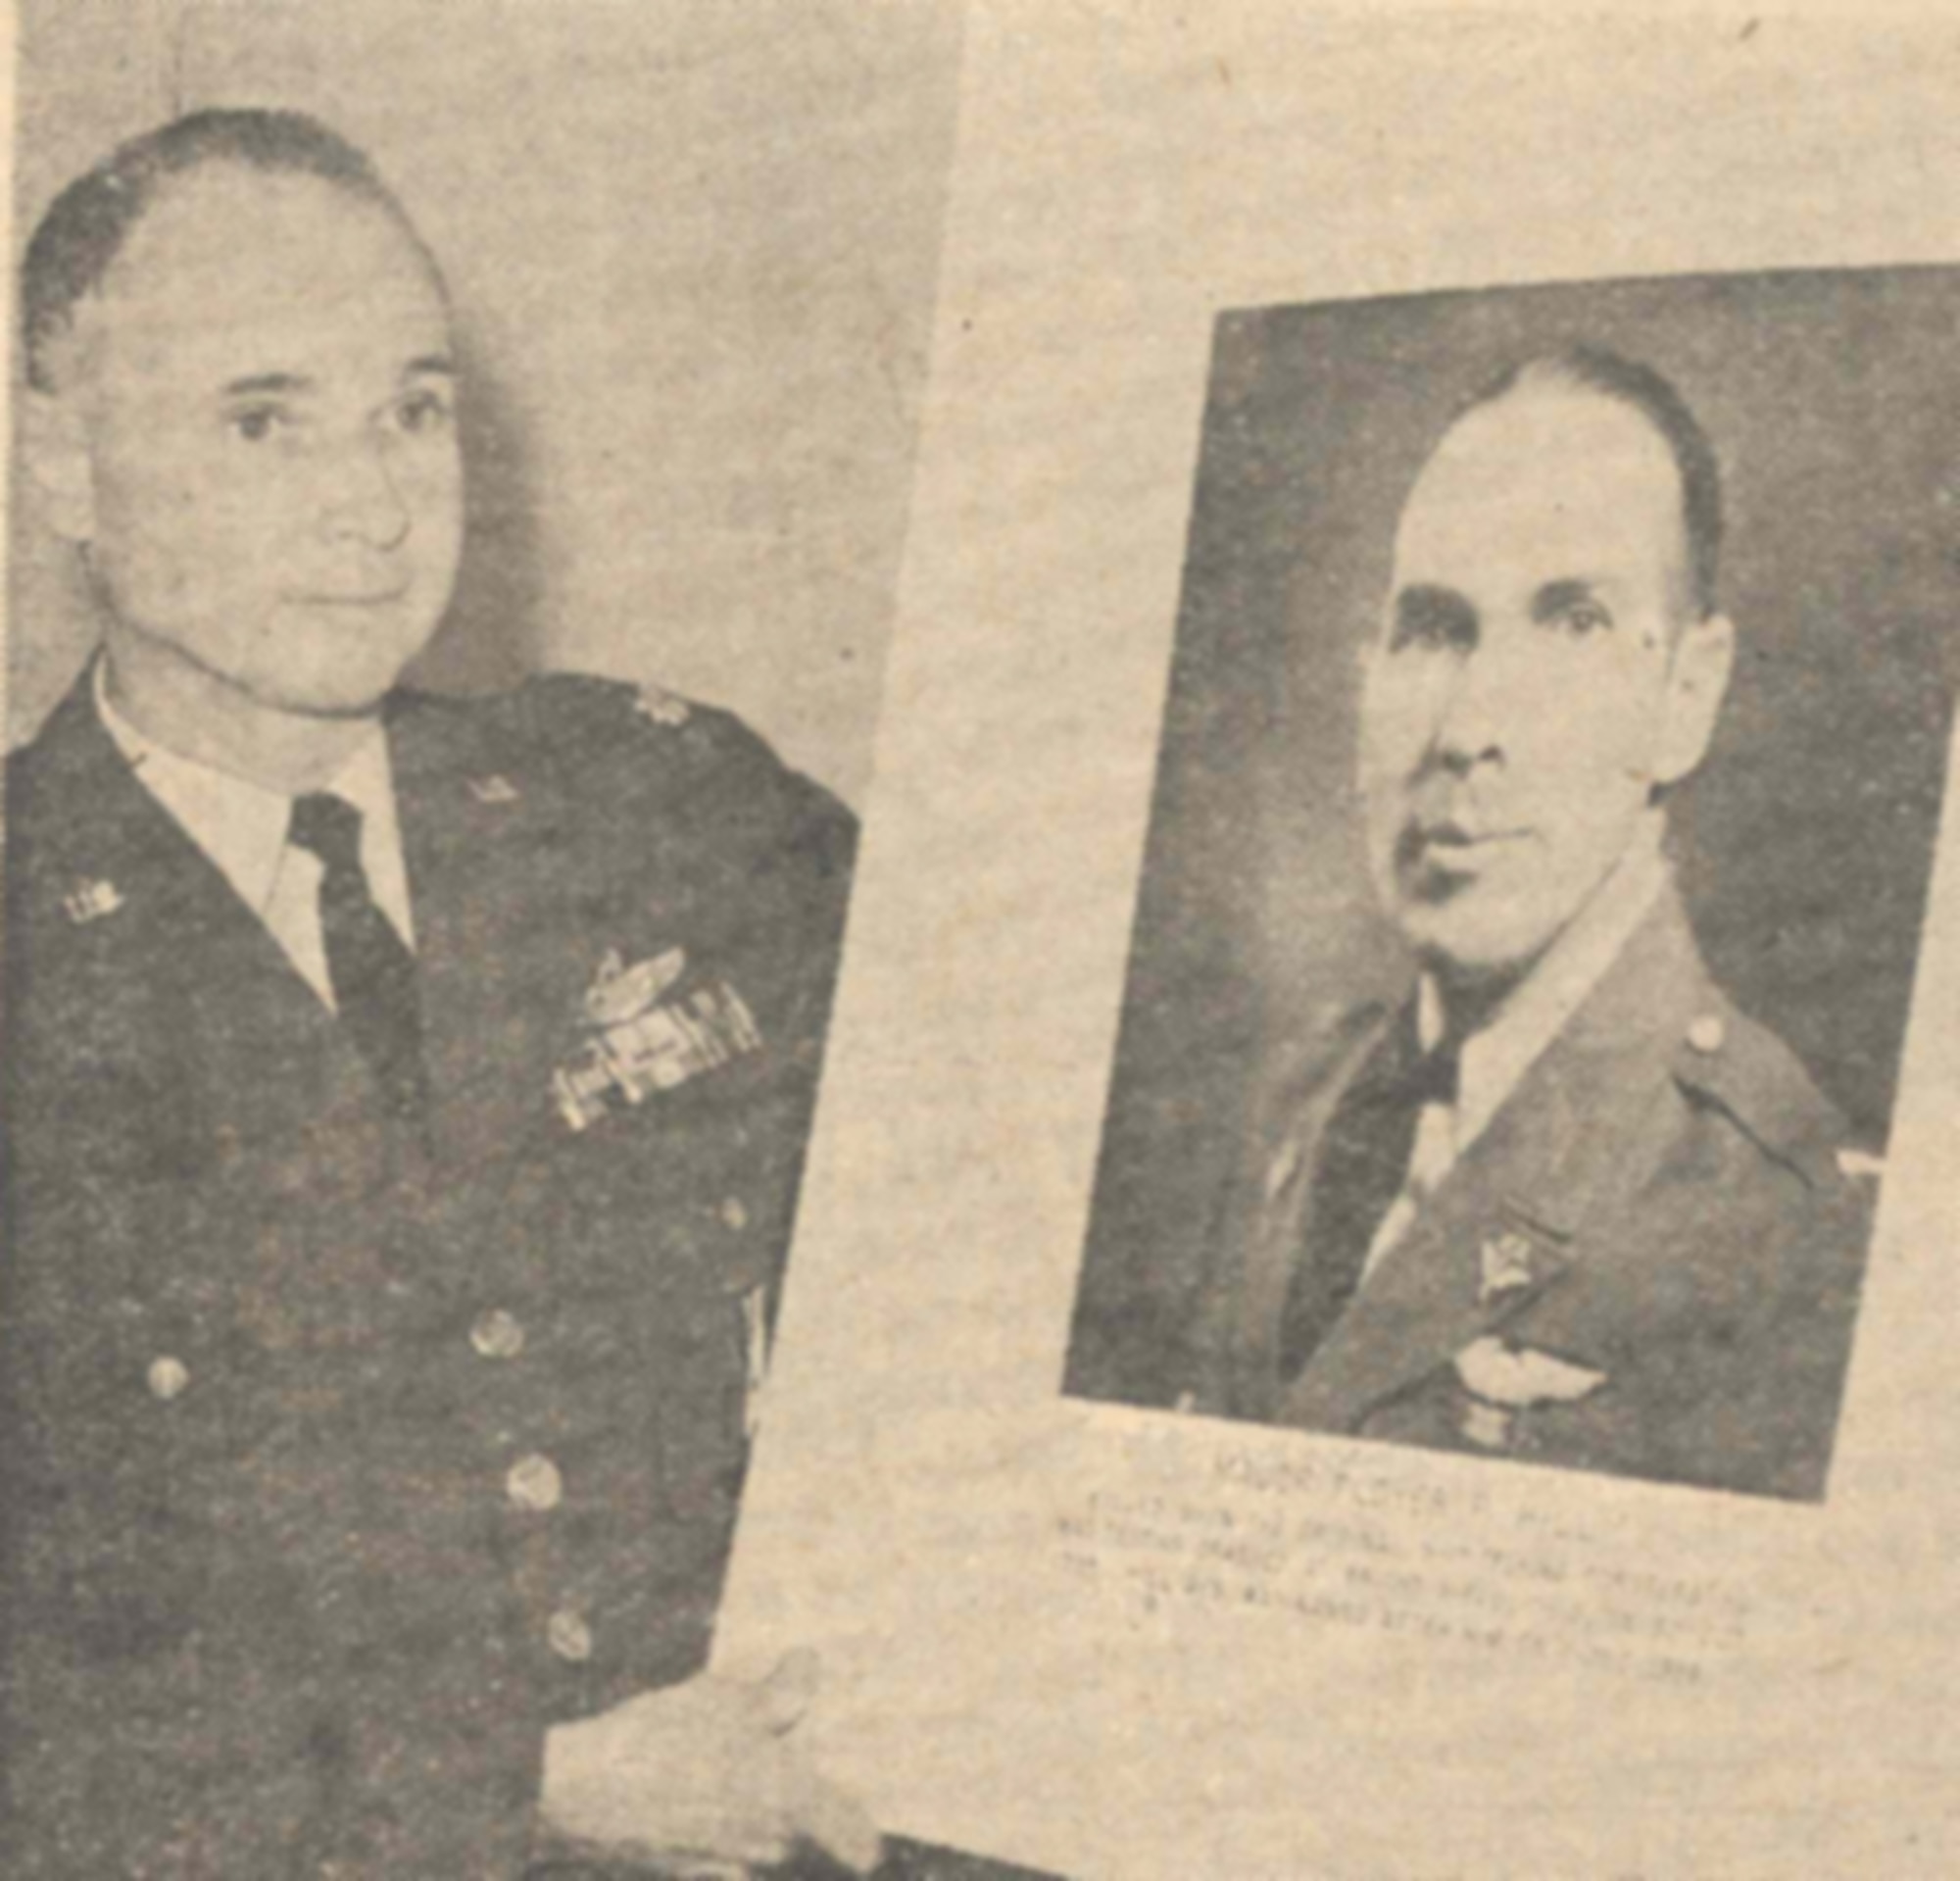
1563,1203
405,1104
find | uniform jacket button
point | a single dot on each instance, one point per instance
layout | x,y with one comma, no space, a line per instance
167,1377
1706,1034
534,1483
734,1214
498,1334
569,1636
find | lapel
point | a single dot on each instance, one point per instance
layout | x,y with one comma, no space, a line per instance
224,1000
1269,1209
504,943
1526,1206
530,863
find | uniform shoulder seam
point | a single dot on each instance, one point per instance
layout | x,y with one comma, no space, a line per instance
1743,1068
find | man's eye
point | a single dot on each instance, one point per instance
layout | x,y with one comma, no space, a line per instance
422,412
257,422
1582,617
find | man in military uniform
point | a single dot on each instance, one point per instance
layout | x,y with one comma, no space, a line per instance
1564,1203
405,1106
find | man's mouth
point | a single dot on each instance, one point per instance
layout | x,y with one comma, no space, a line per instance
1437,858
1448,836
368,598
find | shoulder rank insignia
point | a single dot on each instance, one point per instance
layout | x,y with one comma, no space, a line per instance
653,1035
662,707
493,789
89,901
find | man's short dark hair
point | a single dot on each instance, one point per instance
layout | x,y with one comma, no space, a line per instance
1630,382
87,223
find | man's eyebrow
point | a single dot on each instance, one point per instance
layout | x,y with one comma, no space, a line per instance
269,383
437,364
1561,596
1427,607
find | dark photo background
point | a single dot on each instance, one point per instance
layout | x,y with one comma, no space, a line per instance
1804,846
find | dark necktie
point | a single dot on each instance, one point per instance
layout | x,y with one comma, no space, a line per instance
373,971
1364,1159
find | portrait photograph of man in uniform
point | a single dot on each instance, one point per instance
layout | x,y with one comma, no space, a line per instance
407,1085
1542,830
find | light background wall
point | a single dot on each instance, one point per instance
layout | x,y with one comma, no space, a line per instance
693,250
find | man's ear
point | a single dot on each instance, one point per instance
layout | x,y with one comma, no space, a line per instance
55,444
1697,682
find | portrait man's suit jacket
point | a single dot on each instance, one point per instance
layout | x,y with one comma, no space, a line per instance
1647,1264
341,1460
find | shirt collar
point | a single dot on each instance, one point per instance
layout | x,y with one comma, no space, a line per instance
1496,1057
240,824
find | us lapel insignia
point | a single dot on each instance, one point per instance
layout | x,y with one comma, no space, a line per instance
89,901
1504,1263
662,707
493,789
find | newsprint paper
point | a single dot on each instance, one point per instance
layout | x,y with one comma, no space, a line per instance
1500,1582
1361,605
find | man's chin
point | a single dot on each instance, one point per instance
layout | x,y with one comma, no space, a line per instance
1472,946
332,691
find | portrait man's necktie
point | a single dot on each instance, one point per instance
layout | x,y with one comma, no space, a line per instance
1364,1161
372,970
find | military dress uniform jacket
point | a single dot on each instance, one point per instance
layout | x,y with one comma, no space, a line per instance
1647,1264
340,1458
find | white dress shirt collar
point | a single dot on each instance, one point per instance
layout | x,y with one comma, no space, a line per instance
242,827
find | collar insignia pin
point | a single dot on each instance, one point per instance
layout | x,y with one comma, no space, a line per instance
494,789
89,901
1505,1263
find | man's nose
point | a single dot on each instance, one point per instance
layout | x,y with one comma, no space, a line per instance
363,502
1480,695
